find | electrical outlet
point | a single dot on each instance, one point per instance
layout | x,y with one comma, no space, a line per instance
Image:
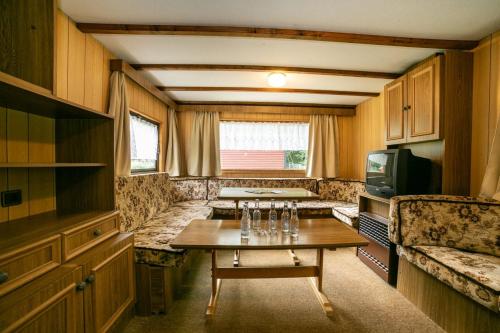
11,198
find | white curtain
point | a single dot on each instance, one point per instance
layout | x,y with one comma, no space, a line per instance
323,152
143,143
490,187
173,160
204,154
263,136
118,107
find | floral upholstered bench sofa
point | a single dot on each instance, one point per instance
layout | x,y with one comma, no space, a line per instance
156,215
343,195
454,239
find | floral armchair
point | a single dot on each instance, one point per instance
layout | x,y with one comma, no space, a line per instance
455,239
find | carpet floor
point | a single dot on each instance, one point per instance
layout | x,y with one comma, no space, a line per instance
362,301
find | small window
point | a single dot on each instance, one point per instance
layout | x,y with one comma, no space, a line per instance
144,144
263,145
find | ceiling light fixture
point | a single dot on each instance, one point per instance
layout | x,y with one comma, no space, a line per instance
276,79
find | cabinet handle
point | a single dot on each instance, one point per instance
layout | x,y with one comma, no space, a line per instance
80,286
90,279
408,107
4,276
97,232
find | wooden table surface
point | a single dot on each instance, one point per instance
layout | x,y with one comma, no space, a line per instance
242,193
225,234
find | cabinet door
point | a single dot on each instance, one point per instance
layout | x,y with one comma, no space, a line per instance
424,99
395,116
112,289
52,303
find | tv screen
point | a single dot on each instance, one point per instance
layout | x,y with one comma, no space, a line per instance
379,170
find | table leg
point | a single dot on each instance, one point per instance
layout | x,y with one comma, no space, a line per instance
296,260
317,285
215,288
236,258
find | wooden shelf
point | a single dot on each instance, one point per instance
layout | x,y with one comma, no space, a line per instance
24,96
52,165
16,232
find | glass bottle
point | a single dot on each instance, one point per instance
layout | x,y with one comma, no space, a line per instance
256,217
245,223
273,218
294,221
285,219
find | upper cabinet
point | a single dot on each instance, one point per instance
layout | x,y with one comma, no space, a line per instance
413,104
27,40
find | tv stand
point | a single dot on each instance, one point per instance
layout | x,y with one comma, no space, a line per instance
380,254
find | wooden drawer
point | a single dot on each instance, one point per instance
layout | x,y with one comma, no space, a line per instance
77,240
22,265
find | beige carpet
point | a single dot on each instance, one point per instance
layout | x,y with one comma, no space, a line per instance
362,301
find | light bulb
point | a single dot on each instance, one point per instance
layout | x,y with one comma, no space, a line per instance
276,80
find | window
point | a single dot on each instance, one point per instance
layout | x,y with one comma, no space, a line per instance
263,146
143,144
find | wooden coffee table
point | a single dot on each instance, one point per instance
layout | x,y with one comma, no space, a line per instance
316,234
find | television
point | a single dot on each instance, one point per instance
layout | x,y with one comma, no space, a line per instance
397,172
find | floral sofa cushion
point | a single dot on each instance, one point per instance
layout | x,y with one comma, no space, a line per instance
152,240
310,207
458,222
340,189
191,203
473,274
216,183
347,213
140,197
188,188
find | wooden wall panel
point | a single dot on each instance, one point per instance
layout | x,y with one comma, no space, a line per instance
81,66
27,138
485,107
76,64
360,134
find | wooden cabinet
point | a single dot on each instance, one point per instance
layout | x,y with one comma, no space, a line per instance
395,102
52,303
110,280
413,104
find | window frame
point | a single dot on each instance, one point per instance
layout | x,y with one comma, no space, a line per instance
264,172
158,125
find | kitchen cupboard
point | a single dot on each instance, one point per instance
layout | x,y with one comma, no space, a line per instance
413,104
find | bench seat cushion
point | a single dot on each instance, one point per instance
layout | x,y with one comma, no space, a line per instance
152,241
311,207
347,212
191,203
475,275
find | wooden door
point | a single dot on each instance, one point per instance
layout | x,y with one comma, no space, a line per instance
52,303
424,101
395,116
112,289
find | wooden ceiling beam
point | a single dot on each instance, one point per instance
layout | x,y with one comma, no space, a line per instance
122,66
228,31
271,90
268,108
255,68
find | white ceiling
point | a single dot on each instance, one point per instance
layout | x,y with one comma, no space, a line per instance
445,19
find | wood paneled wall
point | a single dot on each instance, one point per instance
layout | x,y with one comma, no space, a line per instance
360,134
27,138
485,107
83,73
81,66
145,104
